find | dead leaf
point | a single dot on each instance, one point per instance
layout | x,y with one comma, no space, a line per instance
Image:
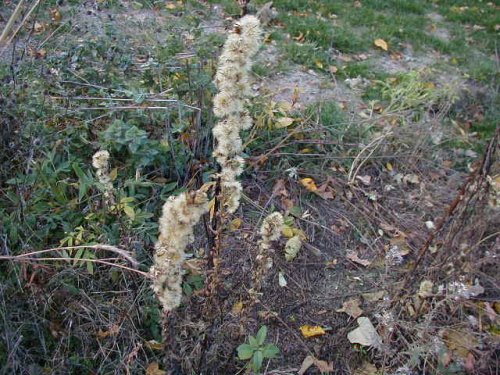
366,180
411,179
325,191
55,15
492,315
365,334
299,38
170,6
279,188
155,345
237,308
425,289
366,369
470,361
351,308
284,122
381,43
374,296
309,184
38,28
333,69
353,256
331,263
323,366
312,331
154,369
195,266
235,224
460,341
281,280
113,331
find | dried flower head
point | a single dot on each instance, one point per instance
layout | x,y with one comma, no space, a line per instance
100,161
180,215
233,82
292,248
272,226
270,230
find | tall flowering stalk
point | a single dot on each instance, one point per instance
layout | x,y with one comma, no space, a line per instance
233,83
180,214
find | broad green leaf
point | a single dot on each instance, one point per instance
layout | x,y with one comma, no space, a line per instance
245,351
253,341
129,211
270,351
261,335
257,360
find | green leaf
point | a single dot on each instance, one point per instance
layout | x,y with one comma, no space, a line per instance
253,341
257,360
261,335
129,211
245,351
270,351
90,267
77,256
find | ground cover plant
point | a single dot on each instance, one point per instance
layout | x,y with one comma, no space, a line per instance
349,225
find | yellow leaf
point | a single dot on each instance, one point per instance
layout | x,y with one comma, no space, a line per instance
237,308
306,150
309,184
284,106
211,208
235,224
319,64
55,14
300,233
381,43
155,345
389,167
284,122
154,369
312,331
287,231
171,6
113,174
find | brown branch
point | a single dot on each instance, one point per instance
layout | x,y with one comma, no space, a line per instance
482,171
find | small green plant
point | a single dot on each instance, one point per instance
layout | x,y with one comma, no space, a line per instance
256,351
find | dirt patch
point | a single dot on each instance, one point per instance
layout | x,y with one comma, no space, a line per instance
407,61
308,87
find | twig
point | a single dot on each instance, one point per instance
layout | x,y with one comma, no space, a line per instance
11,21
482,170
28,15
376,142
18,258
125,254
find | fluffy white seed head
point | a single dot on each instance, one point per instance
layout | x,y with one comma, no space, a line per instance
272,226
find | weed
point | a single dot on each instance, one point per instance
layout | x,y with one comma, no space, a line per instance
257,350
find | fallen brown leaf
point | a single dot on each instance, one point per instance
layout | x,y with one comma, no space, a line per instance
323,366
351,255
351,308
